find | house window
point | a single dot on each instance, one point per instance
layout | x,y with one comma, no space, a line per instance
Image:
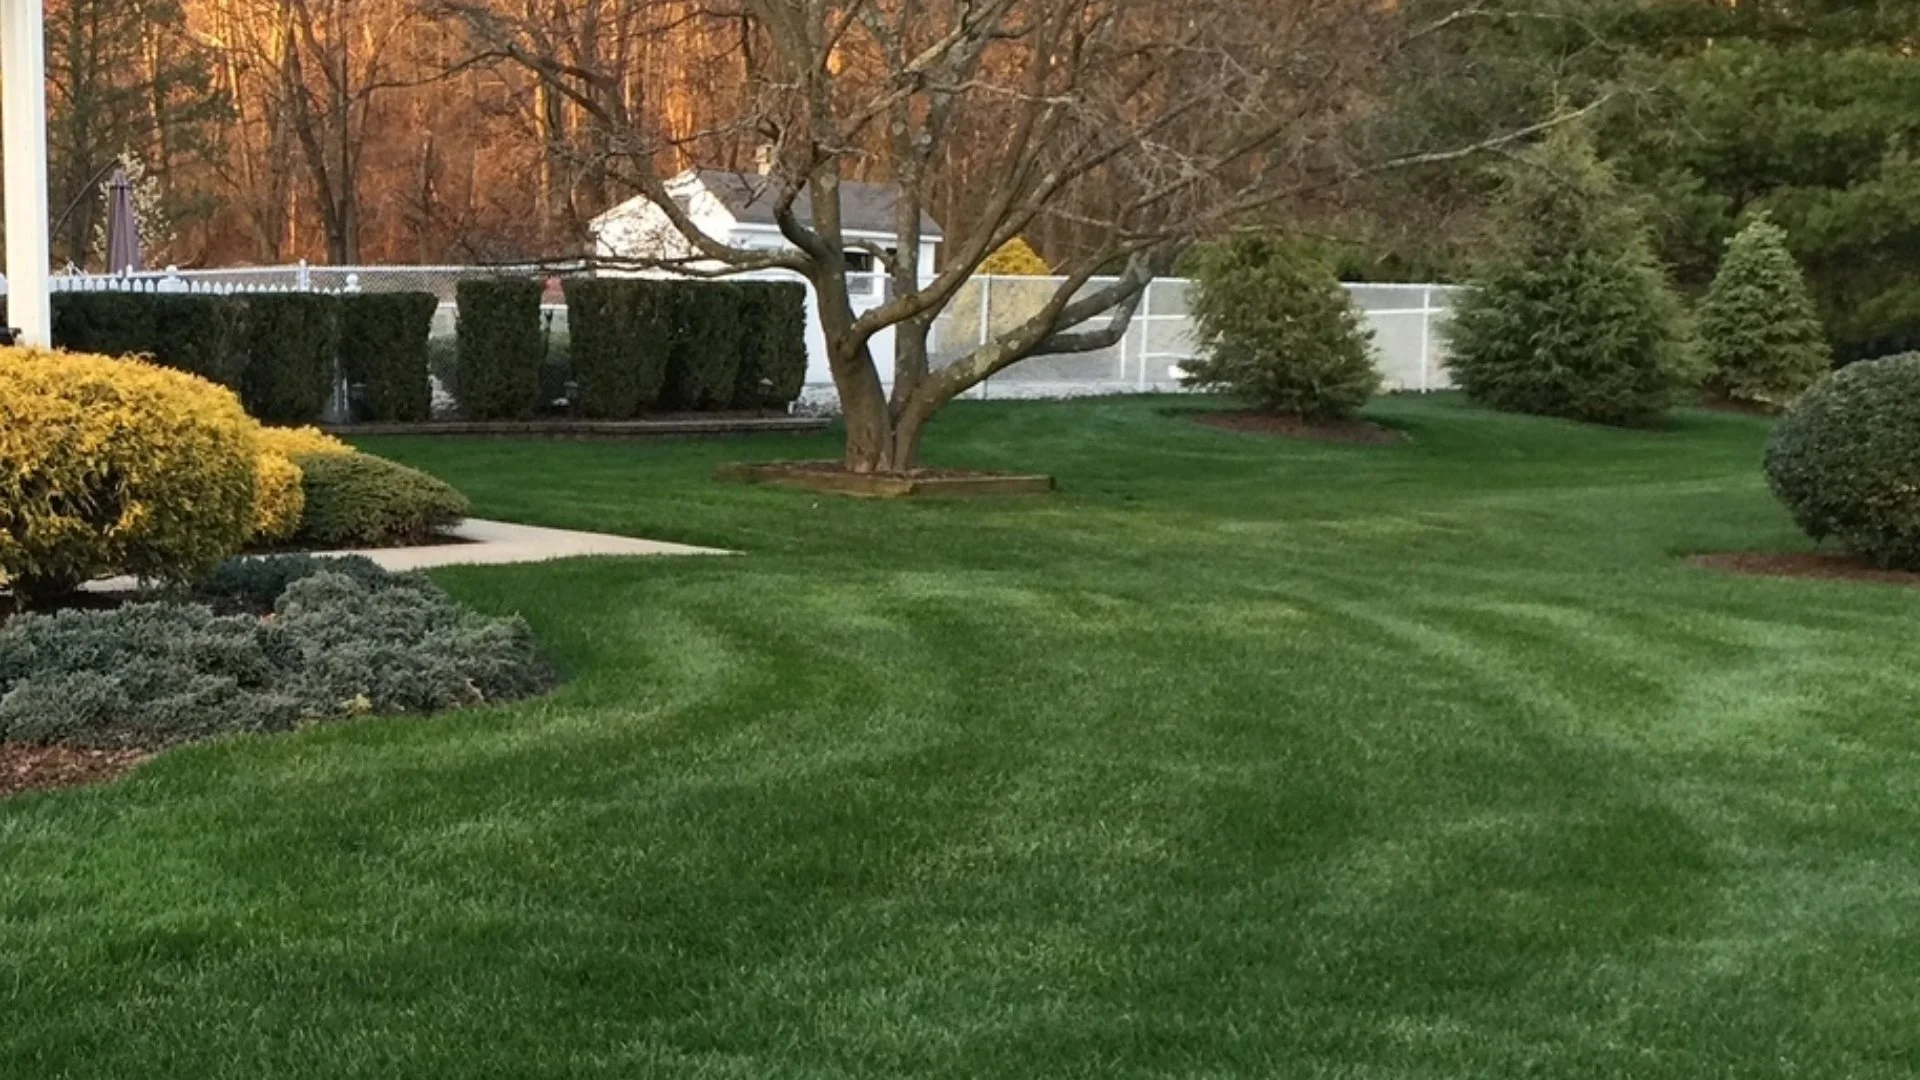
873,283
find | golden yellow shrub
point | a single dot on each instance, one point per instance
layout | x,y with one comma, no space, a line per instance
1016,258
300,442
280,500
117,466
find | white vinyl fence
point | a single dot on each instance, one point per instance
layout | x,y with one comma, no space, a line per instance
1405,319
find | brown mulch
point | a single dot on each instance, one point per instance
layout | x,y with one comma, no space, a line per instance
39,768
1248,421
1810,566
1740,408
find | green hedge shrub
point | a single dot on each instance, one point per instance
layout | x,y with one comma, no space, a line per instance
1570,314
1846,460
205,335
103,323
202,335
151,675
500,347
619,337
292,342
383,349
1760,334
1279,331
703,365
773,345
359,500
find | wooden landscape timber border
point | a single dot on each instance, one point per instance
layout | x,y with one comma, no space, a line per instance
591,429
883,486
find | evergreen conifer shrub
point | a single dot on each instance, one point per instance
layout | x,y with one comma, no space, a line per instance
1277,329
500,347
383,351
293,340
1570,314
1760,335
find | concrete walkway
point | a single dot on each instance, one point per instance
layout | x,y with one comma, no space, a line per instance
492,543
497,543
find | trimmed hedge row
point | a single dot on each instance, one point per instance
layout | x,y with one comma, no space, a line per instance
500,347
277,350
619,338
383,348
292,339
773,346
201,335
632,346
641,344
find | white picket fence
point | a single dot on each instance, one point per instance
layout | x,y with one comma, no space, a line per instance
1405,320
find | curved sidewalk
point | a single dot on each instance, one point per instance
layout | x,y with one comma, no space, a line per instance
479,542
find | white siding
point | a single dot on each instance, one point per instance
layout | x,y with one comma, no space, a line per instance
637,229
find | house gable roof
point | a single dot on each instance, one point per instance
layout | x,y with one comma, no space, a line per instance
864,207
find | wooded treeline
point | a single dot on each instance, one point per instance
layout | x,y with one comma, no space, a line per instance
354,131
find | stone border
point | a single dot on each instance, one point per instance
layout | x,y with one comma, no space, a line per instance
783,474
591,429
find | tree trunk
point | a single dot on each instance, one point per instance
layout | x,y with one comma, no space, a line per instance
863,405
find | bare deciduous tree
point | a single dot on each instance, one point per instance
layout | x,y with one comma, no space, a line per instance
1135,126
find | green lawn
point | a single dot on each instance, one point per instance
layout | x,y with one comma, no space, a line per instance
1238,758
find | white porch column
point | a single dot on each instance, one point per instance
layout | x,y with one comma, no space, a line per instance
23,139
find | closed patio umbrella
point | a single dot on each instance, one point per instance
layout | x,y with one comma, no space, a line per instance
123,226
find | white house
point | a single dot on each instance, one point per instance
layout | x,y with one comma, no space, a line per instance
737,209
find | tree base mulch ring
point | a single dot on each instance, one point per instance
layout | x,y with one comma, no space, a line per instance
1254,422
26,768
833,476
1810,566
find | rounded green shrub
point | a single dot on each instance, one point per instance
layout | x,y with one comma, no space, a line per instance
1570,314
1846,460
1760,336
117,467
359,500
1276,328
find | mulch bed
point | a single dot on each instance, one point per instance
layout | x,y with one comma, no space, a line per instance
295,548
1251,422
39,768
1739,408
1808,566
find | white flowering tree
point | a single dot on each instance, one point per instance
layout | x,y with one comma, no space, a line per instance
150,212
